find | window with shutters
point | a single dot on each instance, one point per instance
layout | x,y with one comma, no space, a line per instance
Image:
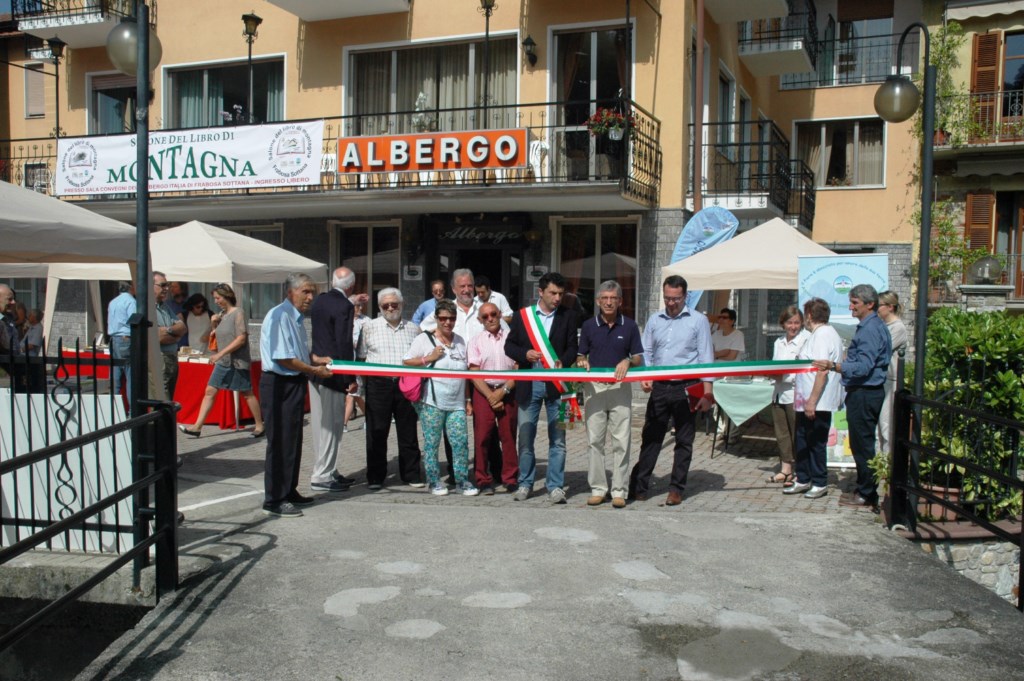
1013,75
979,220
35,91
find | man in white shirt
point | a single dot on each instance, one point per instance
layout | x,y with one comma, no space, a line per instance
485,294
729,346
467,324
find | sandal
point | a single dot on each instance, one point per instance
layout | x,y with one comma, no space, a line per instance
784,479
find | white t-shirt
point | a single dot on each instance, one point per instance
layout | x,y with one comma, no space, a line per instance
448,394
787,350
823,343
504,309
467,323
734,341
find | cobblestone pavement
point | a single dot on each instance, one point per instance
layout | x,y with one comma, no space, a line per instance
731,480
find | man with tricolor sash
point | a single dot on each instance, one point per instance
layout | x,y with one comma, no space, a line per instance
674,336
543,336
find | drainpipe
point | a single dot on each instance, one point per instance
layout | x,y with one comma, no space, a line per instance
696,166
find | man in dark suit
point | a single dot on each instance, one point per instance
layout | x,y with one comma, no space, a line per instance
524,345
332,316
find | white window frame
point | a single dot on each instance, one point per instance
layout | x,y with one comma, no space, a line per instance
794,147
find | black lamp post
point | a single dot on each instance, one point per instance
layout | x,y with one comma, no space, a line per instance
136,53
895,101
487,7
252,24
56,52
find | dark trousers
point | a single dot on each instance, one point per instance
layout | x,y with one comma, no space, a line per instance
811,441
383,400
863,405
668,402
282,399
487,423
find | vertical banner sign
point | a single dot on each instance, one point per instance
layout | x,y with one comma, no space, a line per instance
201,159
709,226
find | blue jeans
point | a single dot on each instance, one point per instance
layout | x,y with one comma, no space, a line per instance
528,415
120,348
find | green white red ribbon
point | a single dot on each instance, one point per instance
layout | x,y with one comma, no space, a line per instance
703,372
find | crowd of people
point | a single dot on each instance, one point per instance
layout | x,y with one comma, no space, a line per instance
476,330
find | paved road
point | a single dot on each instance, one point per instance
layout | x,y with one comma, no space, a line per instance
739,582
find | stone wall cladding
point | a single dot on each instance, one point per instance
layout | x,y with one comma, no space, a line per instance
994,565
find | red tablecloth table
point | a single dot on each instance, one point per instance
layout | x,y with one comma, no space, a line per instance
84,365
191,386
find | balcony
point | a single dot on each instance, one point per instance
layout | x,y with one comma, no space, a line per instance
79,23
855,61
772,47
747,169
567,168
728,11
325,10
989,121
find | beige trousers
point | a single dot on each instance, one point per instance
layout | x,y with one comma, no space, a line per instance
608,411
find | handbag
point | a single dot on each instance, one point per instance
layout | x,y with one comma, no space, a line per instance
411,387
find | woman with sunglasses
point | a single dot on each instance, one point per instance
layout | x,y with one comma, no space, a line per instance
196,312
231,361
445,402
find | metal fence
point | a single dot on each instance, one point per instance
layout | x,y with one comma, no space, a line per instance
28,10
980,118
800,25
952,461
561,149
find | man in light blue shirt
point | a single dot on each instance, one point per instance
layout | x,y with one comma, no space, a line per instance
673,336
119,311
426,308
284,351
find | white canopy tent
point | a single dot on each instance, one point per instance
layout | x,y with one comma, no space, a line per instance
766,257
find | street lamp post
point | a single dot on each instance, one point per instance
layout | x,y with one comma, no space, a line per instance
487,7
895,101
56,46
252,24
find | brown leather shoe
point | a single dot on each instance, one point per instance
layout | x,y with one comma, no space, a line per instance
595,501
618,502
674,498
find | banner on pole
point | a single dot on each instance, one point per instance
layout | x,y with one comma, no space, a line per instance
201,159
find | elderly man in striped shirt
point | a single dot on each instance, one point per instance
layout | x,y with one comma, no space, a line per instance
386,340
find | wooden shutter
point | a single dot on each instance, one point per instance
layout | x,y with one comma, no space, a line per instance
35,91
985,84
980,220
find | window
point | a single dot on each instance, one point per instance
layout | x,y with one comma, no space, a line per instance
1013,75
35,91
259,298
37,177
845,153
372,253
113,104
592,253
726,110
425,84
219,95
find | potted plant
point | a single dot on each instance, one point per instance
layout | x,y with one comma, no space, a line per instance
950,251
609,122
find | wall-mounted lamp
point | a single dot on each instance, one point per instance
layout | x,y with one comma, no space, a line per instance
530,50
412,239
56,46
534,239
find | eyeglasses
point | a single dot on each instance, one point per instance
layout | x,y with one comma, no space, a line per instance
390,306
673,299
163,285
446,320
493,315
724,316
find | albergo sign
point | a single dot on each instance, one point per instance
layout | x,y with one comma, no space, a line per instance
477,149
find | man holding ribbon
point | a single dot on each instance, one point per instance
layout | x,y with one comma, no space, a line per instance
610,339
543,336
673,336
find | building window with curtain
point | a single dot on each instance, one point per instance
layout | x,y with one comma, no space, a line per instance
844,153
112,104
372,252
591,253
437,87
35,91
219,95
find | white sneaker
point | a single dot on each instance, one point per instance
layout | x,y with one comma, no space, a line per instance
439,490
522,494
467,489
557,496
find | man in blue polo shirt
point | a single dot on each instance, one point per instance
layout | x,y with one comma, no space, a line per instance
609,340
863,373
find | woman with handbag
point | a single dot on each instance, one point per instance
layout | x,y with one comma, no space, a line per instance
444,402
231,361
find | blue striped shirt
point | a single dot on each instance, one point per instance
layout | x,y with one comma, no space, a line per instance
683,339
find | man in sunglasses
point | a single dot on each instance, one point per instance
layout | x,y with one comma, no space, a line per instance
386,340
170,329
729,346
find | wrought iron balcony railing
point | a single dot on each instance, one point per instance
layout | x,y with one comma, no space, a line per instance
74,10
980,119
561,150
747,160
855,61
802,196
766,35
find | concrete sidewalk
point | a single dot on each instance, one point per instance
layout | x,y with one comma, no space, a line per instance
740,582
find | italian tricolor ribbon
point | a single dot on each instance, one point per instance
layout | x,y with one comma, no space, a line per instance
569,409
686,372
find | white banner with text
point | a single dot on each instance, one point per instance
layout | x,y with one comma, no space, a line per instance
243,157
